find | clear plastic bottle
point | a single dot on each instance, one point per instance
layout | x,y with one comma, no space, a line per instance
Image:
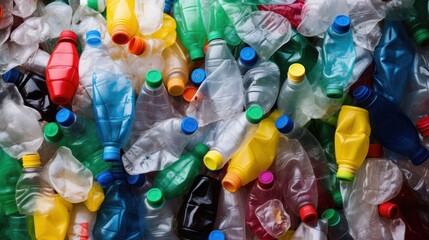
37,62
236,131
149,15
248,58
81,223
217,53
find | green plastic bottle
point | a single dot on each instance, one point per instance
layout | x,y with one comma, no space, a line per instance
175,179
21,227
3,223
419,25
10,170
190,27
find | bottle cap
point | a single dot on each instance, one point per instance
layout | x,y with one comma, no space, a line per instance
93,38
189,125
284,124
332,216
69,36
213,160
12,76
375,150
65,117
198,76
341,24
338,199
334,91
104,179
52,132
111,154
388,210
196,54
175,86
154,78
361,94
120,34
201,150
248,56
216,235
137,45
419,156
31,160
189,93
308,214
97,5
345,174
167,7
155,198
136,180
214,35
231,182
1,11
254,114
266,180
421,36
296,73
423,126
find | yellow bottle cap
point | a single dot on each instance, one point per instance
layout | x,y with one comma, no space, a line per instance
296,72
176,86
31,160
231,182
213,160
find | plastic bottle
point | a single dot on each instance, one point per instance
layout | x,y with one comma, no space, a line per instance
149,15
217,53
237,130
121,20
248,58
54,224
198,76
113,101
95,197
296,98
34,92
20,227
262,85
31,188
157,216
160,146
11,171
263,190
418,25
197,214
339,57
37,62
176,70
81,223
399,135
175,179
62,75
254,156
167,31
315,230
337,225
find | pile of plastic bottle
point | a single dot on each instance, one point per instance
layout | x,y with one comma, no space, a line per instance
214,119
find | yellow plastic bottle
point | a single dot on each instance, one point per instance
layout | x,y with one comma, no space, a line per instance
167,32
254,157
121,20
176,70
95,197
54,224
351,140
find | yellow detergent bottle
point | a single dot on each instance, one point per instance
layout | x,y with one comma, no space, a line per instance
54,224
351,140
95,197
121,20
176,71
254,157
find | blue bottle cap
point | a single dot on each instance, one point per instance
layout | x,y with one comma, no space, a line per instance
167,6
361,94
104,179
11,76
419,156
136,180
216,235
341,24
111,154
189,125
93,38
65,117
284,124
198,76
248,56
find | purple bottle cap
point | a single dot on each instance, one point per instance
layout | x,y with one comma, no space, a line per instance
266,179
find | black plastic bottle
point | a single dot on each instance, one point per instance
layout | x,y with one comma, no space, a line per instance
34,92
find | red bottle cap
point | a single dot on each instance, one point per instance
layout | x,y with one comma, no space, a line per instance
69,36
266,180
388,210
137,45
423,126
375,150
1,11
308,214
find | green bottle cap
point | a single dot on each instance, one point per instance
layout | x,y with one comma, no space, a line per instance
338,199
196,54
421,36
332,216
334,91
154,78
155,198
52,132
201,150
254,114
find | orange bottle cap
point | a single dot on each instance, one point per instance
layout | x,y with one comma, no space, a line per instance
120,34
189,93
176,86
231,182
137,45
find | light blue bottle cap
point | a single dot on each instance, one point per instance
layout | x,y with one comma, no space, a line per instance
248,56
111,154
216,235
189,125
198,76
104,179
334,91
65,117
136,180
341,24
284,124
361,94
93,38
11,76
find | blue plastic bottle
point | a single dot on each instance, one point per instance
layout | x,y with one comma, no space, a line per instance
390,126
114,102
339,57
393,58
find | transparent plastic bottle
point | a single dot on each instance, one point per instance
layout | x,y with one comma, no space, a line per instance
248,58
81,223
37,62
149,15
217,53
236,131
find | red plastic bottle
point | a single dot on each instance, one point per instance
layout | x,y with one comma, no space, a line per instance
62,76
